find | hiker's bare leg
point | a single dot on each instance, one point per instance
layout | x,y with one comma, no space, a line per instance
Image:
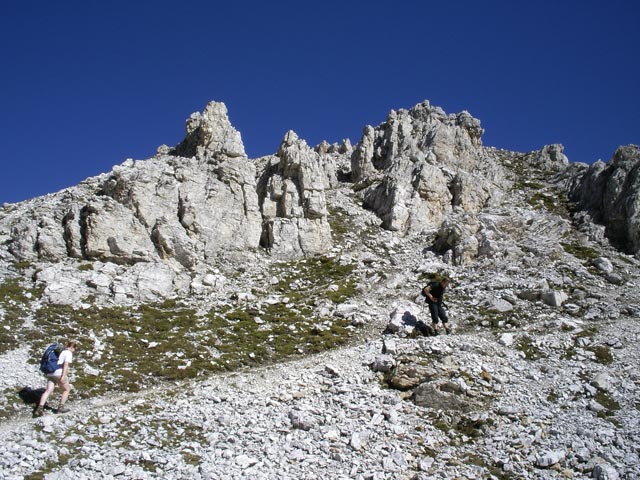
66,388
45,396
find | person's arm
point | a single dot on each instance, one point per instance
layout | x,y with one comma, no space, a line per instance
427,293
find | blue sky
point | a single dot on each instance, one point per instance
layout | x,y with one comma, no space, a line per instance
87,84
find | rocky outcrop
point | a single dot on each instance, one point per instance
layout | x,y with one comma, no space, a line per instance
548,158
203,204
184,209
292,199
420,164
608,194
210,135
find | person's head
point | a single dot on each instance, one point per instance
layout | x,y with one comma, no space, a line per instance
445,282
70,344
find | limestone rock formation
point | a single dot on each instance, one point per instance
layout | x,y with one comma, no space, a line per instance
609,194
420,164
203,204
174,270
210,135
292,199
185,208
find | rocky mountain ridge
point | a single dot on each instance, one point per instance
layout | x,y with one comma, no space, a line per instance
175,216
314,245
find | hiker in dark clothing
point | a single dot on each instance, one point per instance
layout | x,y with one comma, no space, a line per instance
434,297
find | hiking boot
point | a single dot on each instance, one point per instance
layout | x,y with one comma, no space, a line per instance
38,412
62,409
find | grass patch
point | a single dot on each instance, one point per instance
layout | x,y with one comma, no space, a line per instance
6,404
551,200
128,349
580,252
344,230
139,347
570,353
340,223
22,265
319,277
587,333
603,354
610,404
542,200
472,428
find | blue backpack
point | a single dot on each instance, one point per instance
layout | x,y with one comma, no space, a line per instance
49,360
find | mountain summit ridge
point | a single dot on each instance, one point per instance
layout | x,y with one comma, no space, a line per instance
189,207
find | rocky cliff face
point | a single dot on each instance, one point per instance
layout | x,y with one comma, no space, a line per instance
608,193
421,164
191,208
292,199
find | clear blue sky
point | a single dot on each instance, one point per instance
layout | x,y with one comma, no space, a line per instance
86,84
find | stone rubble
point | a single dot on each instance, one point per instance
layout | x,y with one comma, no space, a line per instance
480,405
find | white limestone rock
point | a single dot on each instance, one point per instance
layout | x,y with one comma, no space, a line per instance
603,264
419,163
607,192
507,339
291,193
211,135
550,458
112,234
383,363
554,298
403,319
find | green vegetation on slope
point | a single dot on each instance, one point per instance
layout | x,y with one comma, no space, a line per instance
130,348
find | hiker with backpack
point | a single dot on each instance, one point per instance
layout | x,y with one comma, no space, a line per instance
55,365
434,298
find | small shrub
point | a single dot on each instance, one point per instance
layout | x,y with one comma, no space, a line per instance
22,265
609,403
472,428
531,350
603,354
587,333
